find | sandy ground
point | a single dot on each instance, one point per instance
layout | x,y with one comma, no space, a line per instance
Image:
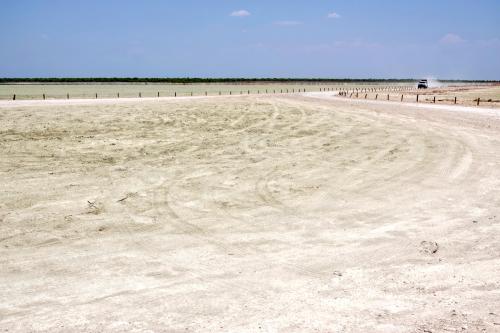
291,213
489,95
88,91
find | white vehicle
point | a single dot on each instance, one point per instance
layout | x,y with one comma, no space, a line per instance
422,84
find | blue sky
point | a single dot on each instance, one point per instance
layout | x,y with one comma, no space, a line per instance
453,39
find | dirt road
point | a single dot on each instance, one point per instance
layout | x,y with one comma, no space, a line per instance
249,214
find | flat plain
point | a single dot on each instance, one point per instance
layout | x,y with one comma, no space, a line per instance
283,213
128,90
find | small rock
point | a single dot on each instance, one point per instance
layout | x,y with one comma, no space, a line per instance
429,247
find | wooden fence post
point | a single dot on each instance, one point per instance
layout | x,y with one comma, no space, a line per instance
175,93
387,96
434,101
14,97
478,99
417,98
376,96
455,99
401,98
118,95
158,94
96,96
44,96
140,95
67,96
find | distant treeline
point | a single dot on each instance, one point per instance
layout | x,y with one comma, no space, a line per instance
188,80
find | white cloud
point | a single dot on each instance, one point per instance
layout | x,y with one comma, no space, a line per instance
287,23
333,15
451,39
240,13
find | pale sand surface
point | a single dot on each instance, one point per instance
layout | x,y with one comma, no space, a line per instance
297,213
88,90
489,95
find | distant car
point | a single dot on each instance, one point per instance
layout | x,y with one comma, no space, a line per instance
422,84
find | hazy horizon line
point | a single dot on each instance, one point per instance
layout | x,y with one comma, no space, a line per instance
201,79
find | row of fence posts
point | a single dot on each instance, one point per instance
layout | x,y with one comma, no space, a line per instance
345,93
342,92
249,92
361,90
191,93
